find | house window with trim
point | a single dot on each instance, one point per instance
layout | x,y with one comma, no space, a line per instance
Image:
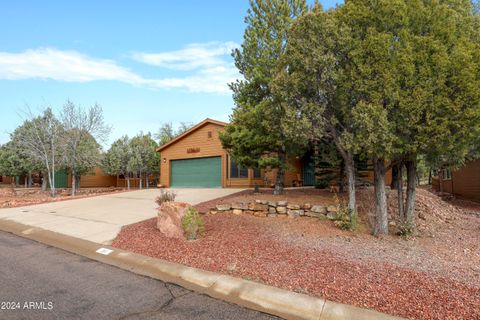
237,171
257,173
447,174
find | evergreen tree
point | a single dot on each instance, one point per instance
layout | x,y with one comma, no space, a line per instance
259,134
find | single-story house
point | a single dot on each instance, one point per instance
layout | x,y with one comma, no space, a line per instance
197,159
96,179
463,182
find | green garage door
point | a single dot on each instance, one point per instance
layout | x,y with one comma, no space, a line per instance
196,173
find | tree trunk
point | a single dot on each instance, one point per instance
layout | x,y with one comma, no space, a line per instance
51,182
381,211
280,173
25,182
350,172
77,183
44,181
140,181
29,179
411,191
341,178
128,183
146,181
399,187
430,177
74,182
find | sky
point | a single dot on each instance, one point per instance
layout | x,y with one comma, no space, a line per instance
144,62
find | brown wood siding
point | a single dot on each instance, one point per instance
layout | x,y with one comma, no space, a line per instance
446,186
465,181
293,173
436,184
197,139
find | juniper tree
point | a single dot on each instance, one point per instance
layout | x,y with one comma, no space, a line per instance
115,160
415,76
256,136
316,92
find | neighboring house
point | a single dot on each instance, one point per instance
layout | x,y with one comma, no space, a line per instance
64,180
463,182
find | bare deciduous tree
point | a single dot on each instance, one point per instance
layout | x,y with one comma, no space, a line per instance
40,139
80,125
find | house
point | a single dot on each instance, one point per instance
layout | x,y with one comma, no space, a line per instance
63,180
463,182
197,159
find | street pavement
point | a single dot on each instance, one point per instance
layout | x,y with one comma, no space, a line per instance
100,219
41,282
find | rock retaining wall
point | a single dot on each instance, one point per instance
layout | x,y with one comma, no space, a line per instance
264,208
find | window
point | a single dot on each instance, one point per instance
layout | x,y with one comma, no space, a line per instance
209,134
447,174
237,171
257,173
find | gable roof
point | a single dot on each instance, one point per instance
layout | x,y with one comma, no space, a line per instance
192,129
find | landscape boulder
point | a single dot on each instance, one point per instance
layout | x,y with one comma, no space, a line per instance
240,206
282,210
319,209
314,214
169,219
292,206
257,207
272,203
223,207
294,213
237,211
332,208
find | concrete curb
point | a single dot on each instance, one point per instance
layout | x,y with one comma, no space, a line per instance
249,294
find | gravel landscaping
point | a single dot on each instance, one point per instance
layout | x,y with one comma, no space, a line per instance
435,275
18,197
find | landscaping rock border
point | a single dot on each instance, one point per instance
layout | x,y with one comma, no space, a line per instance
264,208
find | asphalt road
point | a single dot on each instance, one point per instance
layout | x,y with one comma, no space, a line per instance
42,282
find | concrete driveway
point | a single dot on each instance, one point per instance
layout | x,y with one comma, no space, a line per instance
100,219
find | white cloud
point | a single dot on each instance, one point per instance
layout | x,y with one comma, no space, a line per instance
191,57
70,66
207,66
210,65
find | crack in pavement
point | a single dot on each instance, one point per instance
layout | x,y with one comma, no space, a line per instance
159,309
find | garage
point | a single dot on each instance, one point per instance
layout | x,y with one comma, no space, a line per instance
196,173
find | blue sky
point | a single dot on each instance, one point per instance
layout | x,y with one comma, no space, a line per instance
144,62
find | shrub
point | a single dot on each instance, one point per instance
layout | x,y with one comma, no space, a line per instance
346,222
406,230
346,219
192,224
165,196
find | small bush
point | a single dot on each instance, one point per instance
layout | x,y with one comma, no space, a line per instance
192,224
406,230
165,196
346,219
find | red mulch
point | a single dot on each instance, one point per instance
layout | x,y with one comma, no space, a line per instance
391,275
